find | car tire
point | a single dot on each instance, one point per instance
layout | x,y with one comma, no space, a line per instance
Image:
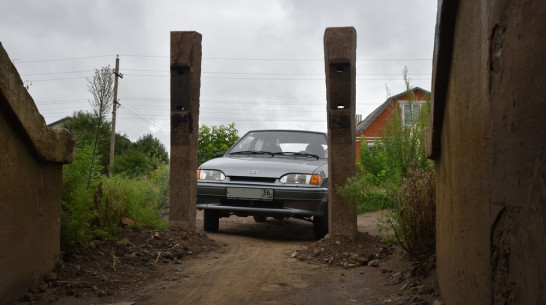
260,218
320,226
211,221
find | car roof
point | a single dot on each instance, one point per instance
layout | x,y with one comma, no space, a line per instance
287,130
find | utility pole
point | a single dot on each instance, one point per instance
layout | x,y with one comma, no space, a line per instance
114,106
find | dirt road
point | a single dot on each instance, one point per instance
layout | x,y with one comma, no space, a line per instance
254,267
255,264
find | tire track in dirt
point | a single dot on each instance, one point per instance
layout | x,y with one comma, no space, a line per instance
254,267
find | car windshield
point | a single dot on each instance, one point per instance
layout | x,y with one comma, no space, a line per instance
286,143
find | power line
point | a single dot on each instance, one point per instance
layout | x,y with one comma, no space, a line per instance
16,61
58,59
51,73
144,119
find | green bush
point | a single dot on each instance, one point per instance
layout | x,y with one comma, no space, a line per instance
160,177
395,175
96,213
137,199
77,208
415,217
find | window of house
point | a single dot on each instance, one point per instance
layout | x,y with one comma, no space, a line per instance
410,111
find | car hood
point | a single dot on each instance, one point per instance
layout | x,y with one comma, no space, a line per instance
270,167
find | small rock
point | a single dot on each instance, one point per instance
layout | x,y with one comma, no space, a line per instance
363,261
282,284
374,263
34,290
345,254
123,242
51,276
404,286
127,221
156,235
42,286
428,290
168,255
417,289
338,243
302,257
294,254
316,252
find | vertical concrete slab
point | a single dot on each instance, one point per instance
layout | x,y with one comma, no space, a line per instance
488,139
185,68
31,159
339,62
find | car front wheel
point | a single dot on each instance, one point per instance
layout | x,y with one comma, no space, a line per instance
211,221
260,218
320,226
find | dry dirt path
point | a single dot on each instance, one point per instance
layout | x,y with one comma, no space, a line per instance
254,267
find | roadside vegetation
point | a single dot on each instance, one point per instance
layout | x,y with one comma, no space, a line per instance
137,195
395,176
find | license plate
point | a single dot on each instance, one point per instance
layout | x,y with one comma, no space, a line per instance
248,193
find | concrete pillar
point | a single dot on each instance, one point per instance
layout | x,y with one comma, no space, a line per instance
339,62
185,89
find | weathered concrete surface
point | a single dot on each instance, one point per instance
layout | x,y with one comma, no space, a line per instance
488,138
31,158
185,90
340,59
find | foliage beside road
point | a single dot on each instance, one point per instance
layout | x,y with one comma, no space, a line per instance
394,175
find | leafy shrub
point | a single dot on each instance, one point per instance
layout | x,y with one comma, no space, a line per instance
215,139
413,218
133,163
160,177
395,175
137,199
88,214
77,209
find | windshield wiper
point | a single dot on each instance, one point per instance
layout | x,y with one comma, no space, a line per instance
291,153
250,152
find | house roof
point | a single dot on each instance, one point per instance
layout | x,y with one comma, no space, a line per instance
58,121
361,126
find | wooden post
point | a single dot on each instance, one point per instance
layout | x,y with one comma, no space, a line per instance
340,58
185,89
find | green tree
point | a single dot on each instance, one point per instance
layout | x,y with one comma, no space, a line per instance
101,86
215,139
152,147
83,125
133,163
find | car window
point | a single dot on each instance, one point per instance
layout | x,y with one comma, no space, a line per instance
279,142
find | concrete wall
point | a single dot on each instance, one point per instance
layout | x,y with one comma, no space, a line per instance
488,138
31,158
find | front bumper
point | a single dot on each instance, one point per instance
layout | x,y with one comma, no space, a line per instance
288,201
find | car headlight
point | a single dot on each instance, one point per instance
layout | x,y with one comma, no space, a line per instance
301,179
209,174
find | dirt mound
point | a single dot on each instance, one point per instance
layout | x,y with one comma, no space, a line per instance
114,266
341,251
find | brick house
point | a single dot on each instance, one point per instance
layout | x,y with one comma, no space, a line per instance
370,129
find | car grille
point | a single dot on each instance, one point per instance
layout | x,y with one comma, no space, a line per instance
252,179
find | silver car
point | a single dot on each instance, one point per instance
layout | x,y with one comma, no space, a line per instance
268,173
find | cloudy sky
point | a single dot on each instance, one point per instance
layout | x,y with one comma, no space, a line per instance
263,61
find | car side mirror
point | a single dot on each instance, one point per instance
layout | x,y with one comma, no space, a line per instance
219,154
